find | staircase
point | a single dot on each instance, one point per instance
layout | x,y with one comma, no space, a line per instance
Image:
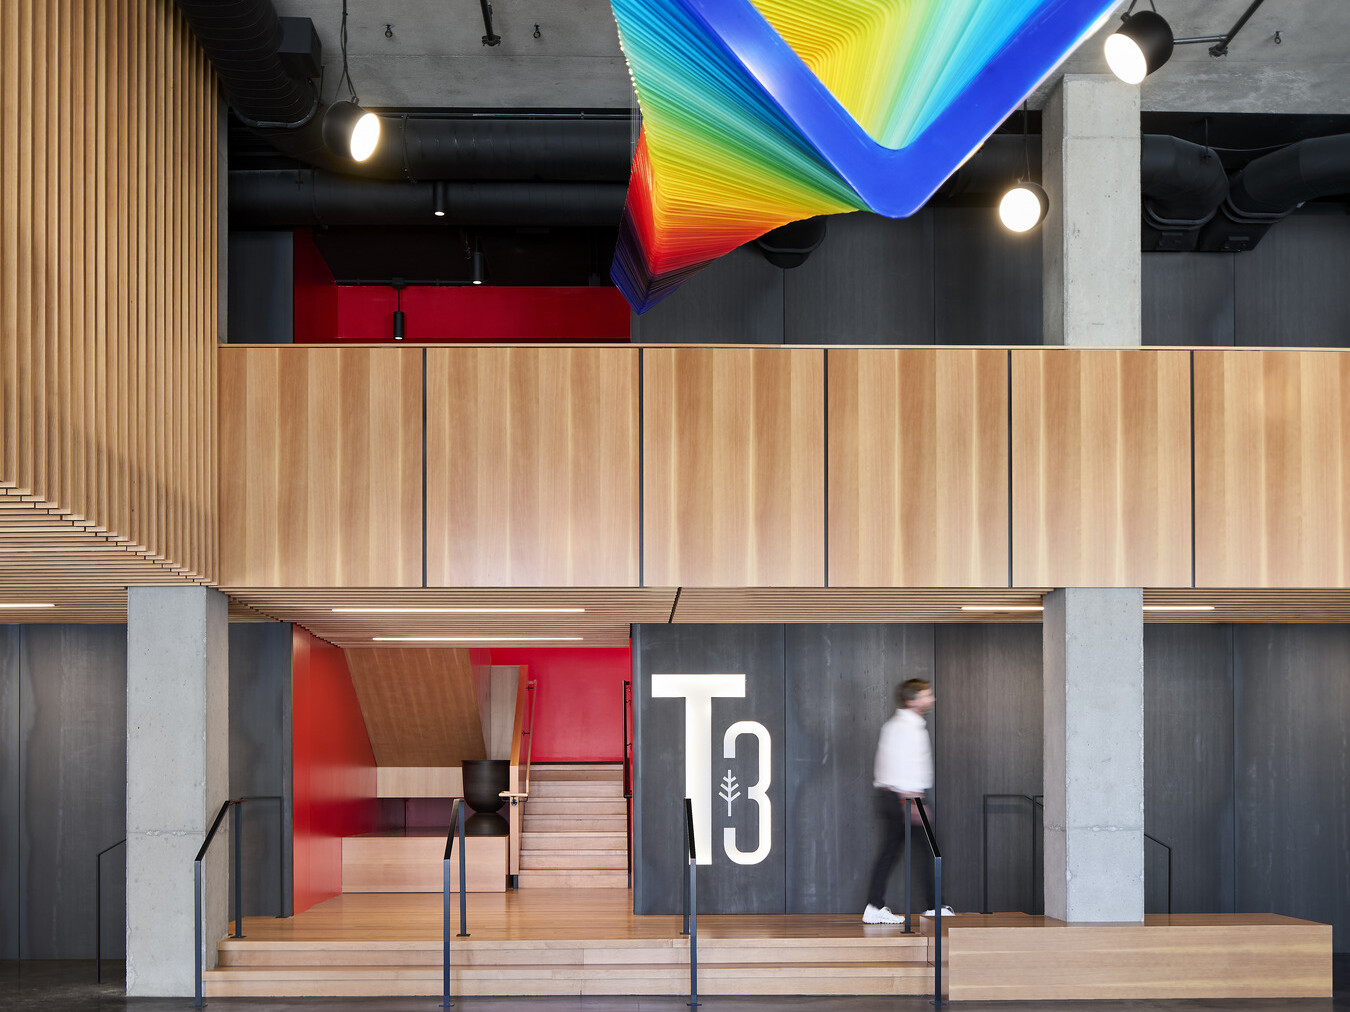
574,828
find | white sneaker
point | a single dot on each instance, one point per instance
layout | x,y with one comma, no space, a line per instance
946,911
883,915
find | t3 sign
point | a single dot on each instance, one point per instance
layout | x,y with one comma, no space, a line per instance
698,692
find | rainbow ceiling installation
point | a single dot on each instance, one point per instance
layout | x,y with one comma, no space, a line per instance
757,113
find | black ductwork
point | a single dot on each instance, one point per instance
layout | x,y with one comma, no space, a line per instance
1272,186
1181,185
302,198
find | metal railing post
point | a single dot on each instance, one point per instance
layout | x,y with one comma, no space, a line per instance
463,891
237,831
937,903
197,925
691,863
909,855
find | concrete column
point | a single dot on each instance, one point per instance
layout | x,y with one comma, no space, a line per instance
178,764
1094,754
1090,236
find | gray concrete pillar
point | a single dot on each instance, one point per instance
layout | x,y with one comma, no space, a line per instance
178,766
1094,754
1090,238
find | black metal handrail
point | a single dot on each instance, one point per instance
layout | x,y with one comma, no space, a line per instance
237,832
456,829
1038,801
691,902
628,772
98,909
937,892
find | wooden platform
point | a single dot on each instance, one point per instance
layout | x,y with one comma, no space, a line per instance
588,942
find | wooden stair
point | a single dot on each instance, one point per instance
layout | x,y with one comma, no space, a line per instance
575,828
892,965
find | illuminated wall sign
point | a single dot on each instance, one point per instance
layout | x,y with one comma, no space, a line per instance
757,113
698,692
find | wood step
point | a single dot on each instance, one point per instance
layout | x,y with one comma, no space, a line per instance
576,789
572,878
531,860
573,824
567,805
577,773
575,840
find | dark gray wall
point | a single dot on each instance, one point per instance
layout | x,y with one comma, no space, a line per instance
62,788
953,275
260,760
261,296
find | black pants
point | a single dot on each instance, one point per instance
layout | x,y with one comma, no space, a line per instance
891,813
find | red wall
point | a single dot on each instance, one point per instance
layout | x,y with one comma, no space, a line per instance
327,312
579,701
333,767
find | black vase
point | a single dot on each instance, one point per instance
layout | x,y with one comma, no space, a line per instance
484,780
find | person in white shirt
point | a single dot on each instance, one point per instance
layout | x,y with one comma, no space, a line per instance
904,769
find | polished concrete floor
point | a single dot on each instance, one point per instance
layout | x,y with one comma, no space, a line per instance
69,986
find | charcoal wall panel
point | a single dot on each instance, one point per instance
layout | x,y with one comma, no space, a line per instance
1187,299
1293,772
986,280
1188,766
261,297
10,636
260,760
723,886
73,700
841,683
989,742
869,282
1290,291
735,300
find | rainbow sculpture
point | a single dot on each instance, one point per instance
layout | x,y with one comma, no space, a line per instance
757,113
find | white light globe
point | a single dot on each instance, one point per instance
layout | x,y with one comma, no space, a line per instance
365,135
1021,209
1125,58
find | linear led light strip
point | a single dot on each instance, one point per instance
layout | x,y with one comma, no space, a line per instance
1037,607
462,611
21,606
475,639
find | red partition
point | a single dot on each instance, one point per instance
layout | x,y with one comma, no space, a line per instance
579,701
333,767
315,300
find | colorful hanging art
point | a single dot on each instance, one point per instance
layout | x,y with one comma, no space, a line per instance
757,113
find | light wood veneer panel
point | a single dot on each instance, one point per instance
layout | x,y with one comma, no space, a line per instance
1101,468
733,467
918,467
108,290
1272,469
321,461
532,467
419,705
414,863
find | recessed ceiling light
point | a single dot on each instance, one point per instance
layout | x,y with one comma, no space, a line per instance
22,606
1002,607
1178,607
474,639
462,611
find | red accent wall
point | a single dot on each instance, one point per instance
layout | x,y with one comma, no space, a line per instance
315,300
333,767
579,700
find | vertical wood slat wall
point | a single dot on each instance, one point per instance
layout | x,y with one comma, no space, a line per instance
108,280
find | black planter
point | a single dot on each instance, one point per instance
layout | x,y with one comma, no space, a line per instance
484,779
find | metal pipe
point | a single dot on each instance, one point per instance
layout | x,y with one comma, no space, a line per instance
909,856
237,831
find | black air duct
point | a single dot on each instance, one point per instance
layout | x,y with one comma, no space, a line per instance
1181,185
1271,186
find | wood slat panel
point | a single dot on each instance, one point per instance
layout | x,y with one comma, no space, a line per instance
1272,469
108,281
1101,468
918,467
419,782
419,705
532,467
412,863
322,466
733,467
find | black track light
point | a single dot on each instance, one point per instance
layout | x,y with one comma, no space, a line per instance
350,132
1139,46
1023,207
438,199
479,274
400,320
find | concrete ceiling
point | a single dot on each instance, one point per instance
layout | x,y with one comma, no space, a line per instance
436,59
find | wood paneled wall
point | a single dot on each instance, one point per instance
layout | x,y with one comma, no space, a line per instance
1272,469
918,467
322,468
532,467
1101,468
108,288
733,467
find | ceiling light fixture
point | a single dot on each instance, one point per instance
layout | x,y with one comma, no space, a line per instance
348,130
475,639
1144,42
400,320
1002,607
23,606
461,611
1178,607
1025,205
438,199
479,273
